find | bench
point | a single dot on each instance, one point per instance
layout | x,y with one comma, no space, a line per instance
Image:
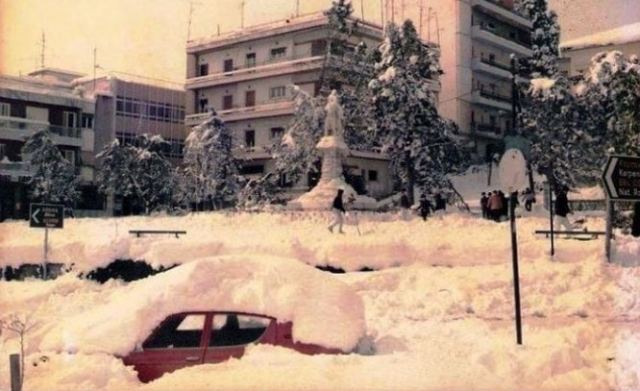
139,233
593,234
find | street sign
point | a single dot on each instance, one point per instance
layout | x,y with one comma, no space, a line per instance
621,178
46,216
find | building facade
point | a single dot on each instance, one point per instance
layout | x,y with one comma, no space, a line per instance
477,40
128,106
246,77
577,53
45,99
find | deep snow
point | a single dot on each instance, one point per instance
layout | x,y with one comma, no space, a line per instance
441,319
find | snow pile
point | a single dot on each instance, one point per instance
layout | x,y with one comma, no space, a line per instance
627,250
617,36
542,85
268,285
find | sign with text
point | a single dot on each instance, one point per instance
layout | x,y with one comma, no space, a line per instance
46,216
621,178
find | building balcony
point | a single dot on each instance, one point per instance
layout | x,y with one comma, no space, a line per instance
269,109
271,68
491,99
15,170
502,12
486,34
19,129
487,131
491,67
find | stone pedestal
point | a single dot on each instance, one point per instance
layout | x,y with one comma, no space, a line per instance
333,149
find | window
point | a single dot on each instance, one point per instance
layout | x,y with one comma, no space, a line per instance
227,102
250,60
69,156
277,133
3,151
87,121
5,109
277,92
228,65
250,98
233,329
204,103
318,48
278,53
250,170
69,119
178,331
250,138
373,175
203,70
492,57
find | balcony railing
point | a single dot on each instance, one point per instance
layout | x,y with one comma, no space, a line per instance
25,127
496,64
500,34
15,169
285,106
495,96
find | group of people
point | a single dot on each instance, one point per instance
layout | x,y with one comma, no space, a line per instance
495,204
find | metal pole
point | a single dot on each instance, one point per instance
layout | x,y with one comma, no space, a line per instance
514,96
516,274
46,253
553,251
608,232
14,365
421,9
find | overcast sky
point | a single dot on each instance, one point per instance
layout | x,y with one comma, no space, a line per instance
147,36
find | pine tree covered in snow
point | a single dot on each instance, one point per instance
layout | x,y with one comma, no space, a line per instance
295,155
545,39
421,144
54,178
560,148
210,171
140,171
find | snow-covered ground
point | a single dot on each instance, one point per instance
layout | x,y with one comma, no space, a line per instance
441,317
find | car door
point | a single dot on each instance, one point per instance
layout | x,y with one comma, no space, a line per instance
232,332
176,343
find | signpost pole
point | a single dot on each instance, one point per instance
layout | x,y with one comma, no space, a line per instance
516,273
553,250
609,229
46,253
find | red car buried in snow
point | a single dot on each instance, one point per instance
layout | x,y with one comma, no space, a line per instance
192,338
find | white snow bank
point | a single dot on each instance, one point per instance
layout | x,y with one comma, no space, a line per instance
617,36
541,85
269,285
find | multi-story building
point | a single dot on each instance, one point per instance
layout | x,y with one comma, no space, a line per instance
128,106
245,76
577,53
45,99
477,40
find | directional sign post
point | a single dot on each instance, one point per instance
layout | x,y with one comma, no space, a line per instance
621,179
46,216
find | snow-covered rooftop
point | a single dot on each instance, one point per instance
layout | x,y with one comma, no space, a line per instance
617,36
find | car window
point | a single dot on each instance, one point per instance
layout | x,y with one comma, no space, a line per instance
177,331
235,329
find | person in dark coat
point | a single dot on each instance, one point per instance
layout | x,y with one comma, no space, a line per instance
338,212
405,205
505,206
425,207
529,198
440,202
495,205
484,201
561,209
513,201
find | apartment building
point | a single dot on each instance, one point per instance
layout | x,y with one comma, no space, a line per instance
477,38
245,76
128,106
577,53
44,99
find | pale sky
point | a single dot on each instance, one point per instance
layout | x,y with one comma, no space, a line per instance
148,36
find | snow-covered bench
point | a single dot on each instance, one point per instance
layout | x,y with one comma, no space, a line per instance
140,232
593,234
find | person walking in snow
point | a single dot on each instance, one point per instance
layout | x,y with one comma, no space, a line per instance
562,209
425,207
495,206
405,205
338,212
529,198
513,201
484,201
504,212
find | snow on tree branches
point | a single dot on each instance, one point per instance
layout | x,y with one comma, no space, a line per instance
421,144
54,178
545,39
140,171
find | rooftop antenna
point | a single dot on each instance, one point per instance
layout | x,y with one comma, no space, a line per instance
190,17
242,14
402,10
218,28
393,11
43,45
362,9
421,9
297,8
382,2
95,66
429,24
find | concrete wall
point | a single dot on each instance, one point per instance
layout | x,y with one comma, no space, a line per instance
581,58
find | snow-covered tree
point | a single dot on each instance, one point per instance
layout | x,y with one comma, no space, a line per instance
140,171
560,148
421,144
545,39
295,155
54,178
210,170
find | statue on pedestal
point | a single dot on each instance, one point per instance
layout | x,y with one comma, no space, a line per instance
333,120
